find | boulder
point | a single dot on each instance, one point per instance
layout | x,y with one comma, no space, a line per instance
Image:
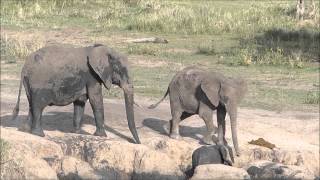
272,170
123,160
73,168
252,153
156,165
41,147
26,156
23,163
219,171
179,151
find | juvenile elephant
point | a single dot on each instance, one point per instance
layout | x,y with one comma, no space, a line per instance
196,91
214,154
61,74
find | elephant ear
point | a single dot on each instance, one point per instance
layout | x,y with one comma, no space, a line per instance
211,88
226,154
229,91
99,63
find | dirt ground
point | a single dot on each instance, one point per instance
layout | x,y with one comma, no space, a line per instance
289,130
296,131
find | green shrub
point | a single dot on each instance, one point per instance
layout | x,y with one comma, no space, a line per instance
312,98
4,148
13,50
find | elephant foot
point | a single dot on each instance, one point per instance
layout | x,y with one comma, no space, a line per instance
174,136
76,131
38,132
100,133
238,153
166,128
25,128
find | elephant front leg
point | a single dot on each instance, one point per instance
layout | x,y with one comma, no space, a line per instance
96,101
205,113
232,111
167,127
78,115
221,115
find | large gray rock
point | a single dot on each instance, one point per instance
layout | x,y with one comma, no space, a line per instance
73,168
271,170
252,153
25,156
219,171
124,160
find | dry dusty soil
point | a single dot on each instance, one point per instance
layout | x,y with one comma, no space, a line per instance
295,134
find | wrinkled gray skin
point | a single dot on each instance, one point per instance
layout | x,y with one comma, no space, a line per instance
61,75
215,154
196,91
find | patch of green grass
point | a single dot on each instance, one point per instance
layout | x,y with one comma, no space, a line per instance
142,49
13,50
4,148
258,40
152,82
179,17
281,47
312,98
206,48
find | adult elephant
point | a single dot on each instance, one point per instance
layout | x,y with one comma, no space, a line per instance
61,75
196,91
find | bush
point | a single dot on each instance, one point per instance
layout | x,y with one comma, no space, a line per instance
312,98
4,147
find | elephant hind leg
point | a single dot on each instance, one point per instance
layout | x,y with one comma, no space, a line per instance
167,127
27,125
79,106
36,112
174,125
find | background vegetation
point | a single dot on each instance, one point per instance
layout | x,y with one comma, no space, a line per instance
259,40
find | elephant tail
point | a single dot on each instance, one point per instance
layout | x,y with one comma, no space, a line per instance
156,104
16,109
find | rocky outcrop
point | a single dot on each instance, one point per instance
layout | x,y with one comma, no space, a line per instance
75,156
73,168
251,153
26,156
219,171
123,160
271,170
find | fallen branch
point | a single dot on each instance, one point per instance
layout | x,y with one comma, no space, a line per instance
148,40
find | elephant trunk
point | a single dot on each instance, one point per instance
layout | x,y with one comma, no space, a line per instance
128,96
233,119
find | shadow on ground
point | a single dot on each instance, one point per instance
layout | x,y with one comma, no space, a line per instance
61,121
185,131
